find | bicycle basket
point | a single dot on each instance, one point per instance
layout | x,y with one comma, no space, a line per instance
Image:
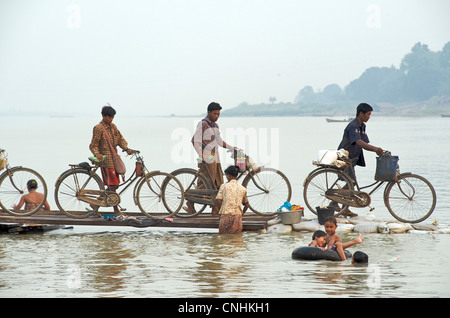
2,163
386,168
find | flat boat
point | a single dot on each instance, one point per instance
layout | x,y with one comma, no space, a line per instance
332,120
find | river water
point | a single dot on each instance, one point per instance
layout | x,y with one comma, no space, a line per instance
156,262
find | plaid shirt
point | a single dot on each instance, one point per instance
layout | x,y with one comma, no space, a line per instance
99,144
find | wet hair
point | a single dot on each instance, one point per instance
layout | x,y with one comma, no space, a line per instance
319,233
361,257
214,106
363,108
108,111
331,219
232,171
32,184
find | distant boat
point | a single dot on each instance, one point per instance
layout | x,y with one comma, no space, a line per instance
331,120
448,115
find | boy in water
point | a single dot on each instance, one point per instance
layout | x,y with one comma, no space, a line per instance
319,240
360,258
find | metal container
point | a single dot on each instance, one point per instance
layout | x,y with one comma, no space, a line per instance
290,217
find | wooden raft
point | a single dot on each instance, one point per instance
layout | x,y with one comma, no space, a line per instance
250,221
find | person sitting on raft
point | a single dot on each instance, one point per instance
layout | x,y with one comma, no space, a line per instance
319,240
333,240
32,199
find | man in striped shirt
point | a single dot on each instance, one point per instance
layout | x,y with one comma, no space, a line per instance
206,141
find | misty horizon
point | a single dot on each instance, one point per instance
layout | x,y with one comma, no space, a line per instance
174,57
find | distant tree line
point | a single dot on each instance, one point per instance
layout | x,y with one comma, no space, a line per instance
422,74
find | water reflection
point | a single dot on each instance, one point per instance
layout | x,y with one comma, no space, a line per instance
219,260
174,264
108,262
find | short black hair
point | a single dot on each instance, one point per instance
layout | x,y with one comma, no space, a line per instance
319,233
214,106
232,171
32,184
363,108
331,219
108,111
361,257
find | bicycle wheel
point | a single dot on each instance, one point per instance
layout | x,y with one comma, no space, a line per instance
13,185
66,190
267,190
412,197
159,195
186,177
318,183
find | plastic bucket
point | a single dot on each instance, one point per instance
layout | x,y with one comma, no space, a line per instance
323,213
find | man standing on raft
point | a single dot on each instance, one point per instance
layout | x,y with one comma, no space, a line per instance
99,147
206,141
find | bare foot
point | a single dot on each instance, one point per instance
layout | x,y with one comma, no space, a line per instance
358,240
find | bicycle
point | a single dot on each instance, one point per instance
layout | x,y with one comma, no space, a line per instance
267,188
80,192
13,185
410,198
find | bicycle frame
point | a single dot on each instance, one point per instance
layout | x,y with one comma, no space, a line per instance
355,183
10,171
210,177
205,196
108,191
356,187
377,185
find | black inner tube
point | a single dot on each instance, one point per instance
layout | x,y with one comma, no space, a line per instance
315,254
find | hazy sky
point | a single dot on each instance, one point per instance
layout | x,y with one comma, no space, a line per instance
175,56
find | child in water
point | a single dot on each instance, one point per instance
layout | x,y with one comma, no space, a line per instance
333,240
360,258
319,240
32,199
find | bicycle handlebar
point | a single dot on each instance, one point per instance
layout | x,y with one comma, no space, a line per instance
132,151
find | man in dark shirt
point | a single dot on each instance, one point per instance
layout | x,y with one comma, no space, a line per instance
355,140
